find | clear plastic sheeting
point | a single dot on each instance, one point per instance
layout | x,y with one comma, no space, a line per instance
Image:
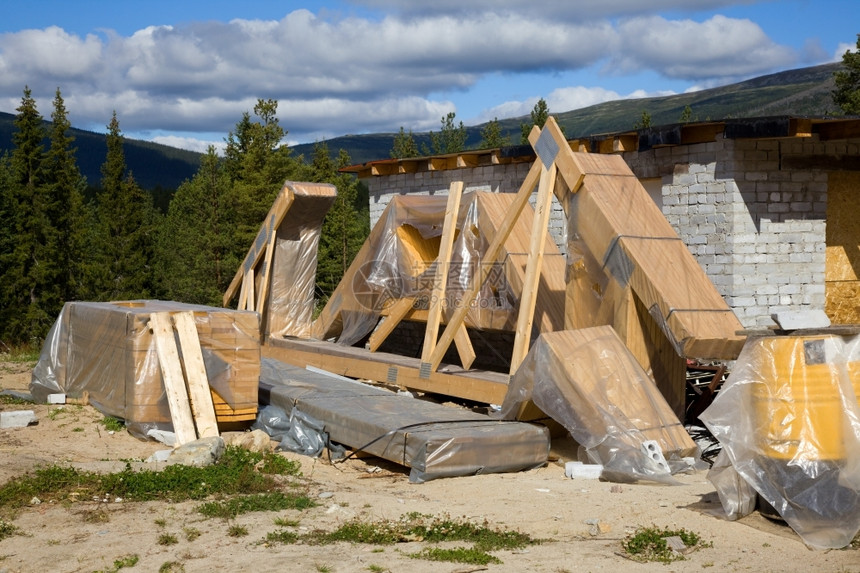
435,441
398,261
587,381
107,352
787,419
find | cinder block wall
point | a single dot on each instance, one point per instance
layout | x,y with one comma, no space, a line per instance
755,223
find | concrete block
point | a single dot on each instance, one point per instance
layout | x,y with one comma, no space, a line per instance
797,319
17,419
56,398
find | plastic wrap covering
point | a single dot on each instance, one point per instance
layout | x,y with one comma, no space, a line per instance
587,381
296,431
433,440
107,351
398,261
787,419
290,309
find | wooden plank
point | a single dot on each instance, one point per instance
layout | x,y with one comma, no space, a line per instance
263,292
464,347
451,380
443,264
396,312
171,373
490,257
529,291
202,408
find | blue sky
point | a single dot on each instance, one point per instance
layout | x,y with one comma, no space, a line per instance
183,72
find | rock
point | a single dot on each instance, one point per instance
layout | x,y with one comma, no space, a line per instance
163,436
256,440
159,456
199,453
18,419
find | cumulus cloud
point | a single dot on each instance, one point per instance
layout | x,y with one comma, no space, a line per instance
332,74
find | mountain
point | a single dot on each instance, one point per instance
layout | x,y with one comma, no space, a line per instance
153,166
801,92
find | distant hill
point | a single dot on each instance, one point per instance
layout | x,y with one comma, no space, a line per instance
800,92
154,166
804,91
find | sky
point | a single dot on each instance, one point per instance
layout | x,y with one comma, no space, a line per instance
183,72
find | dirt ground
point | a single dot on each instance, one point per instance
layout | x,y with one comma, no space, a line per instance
581,521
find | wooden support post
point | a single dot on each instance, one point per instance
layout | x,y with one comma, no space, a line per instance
489,258
202,408
171,373
443,264
262,295
396,312
528,295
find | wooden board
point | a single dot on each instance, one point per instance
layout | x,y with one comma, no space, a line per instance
174,383
478,385
202,408
842,267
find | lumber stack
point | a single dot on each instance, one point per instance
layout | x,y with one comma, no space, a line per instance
121,353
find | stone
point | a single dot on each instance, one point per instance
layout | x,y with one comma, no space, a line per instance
581,470
56,398
199,453
255,441
18,419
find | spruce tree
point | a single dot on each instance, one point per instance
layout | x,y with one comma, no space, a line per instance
126,227
22,281
196,254
847,80
404,145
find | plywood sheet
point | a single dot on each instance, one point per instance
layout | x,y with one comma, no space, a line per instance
842,268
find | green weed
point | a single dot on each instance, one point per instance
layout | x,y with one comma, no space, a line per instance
112,424
470,555
7,529
285,522
167,539
13,400
191,533
171,567
237,531
122,563
268,501
649,544
282,536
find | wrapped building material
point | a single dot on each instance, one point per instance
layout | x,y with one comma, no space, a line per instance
787,419
107,352
397,261
587,381
433,440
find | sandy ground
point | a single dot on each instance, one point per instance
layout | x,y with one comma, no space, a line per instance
582,522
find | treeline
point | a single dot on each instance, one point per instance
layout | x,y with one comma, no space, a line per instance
59,243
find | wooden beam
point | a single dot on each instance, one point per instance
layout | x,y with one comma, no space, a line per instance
202,408
443,264
551,147
262,294
528,294
396,313
490,257
171,374
480,386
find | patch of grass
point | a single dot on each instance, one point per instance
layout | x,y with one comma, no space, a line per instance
649,544
171,567
56,413
235,473
274,463
22,354
430,529
112,424
161,522
13,400
96,516
237,531
269,501
167,539
7,529
470,555
122,563
282,536
77,429
376,568
191,533
286,522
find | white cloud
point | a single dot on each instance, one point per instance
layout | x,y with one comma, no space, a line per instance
366,74
841,49
189,143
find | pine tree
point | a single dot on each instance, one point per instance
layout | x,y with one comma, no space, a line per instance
21,316
539,115
450,139
196,254
404,145
346,224
847,92
126,226
63,211
491,136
